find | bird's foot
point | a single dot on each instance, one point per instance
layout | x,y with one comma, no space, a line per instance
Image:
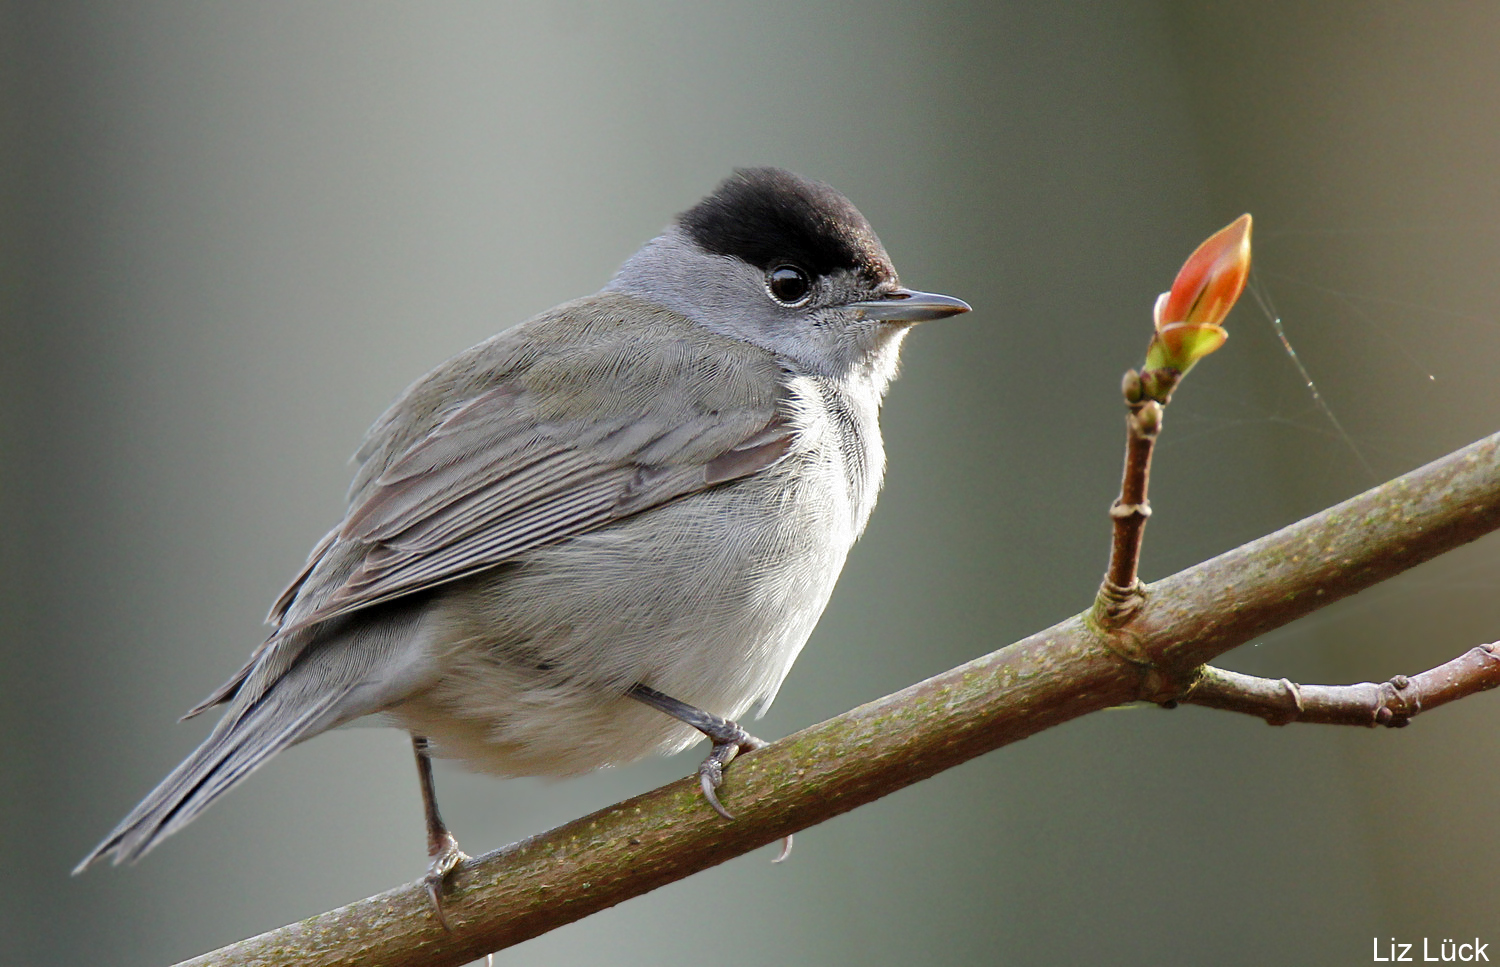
445,859
729,741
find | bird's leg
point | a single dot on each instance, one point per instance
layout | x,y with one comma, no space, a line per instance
728,737
442,848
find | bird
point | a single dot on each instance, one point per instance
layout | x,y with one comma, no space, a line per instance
604,532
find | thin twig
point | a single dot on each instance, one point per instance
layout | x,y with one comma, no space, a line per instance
1120,593
1392,703
1051,677
1129,514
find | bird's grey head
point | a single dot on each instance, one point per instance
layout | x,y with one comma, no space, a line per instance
787,264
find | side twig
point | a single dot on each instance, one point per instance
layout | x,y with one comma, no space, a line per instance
1187,327
1120,593
1392,703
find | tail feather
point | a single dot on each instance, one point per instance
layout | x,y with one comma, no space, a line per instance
242,742
358,670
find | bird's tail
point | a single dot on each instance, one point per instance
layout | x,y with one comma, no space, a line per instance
328,684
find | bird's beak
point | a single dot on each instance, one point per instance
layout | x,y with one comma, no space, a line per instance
908,305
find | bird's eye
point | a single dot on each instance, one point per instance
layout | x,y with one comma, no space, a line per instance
788,284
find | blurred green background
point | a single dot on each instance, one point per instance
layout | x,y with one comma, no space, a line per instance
233,232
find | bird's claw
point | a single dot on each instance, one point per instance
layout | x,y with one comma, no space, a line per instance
711,771
710,775
446,856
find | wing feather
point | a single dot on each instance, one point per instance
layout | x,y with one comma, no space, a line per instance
513,457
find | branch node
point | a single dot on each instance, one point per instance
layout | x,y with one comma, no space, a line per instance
1144,419
1397,702
1291,714
1112,611
1114,606
1164,688
1157,384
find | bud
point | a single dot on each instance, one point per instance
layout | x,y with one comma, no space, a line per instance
1211,279
1188,317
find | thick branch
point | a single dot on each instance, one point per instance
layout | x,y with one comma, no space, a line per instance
1051,677
1392,703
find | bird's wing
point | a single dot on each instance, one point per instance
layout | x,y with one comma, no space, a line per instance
605,421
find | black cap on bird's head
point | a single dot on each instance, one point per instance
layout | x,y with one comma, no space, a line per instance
765,216
783,262
777,221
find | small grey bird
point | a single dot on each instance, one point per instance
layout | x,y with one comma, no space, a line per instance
606,531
